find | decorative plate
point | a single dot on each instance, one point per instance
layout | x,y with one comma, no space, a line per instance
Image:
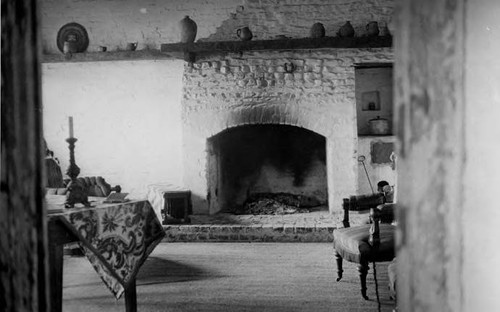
73,32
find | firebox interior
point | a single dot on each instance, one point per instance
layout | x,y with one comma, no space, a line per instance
247,160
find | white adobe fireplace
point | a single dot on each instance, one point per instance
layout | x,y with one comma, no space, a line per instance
300,92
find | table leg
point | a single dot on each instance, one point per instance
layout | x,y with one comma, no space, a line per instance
131,297
56,276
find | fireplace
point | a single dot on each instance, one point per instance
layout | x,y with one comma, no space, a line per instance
235,105
246,161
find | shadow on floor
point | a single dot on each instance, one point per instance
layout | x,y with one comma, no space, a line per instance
157,270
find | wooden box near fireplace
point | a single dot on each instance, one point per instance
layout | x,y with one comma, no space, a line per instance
177,207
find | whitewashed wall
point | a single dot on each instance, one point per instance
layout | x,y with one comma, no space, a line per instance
126,118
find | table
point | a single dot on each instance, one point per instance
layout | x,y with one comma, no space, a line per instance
116,239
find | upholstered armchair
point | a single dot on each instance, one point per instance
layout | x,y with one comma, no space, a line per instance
366,243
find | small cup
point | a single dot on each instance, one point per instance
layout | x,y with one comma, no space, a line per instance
131,46
102,49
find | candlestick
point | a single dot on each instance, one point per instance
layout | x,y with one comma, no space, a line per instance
70,119
76,191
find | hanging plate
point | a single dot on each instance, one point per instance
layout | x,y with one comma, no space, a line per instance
73,32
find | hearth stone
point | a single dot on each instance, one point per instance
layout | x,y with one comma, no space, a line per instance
277,204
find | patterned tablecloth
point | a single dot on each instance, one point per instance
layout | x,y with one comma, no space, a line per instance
116,238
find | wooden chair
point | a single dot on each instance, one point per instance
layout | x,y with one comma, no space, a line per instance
365,243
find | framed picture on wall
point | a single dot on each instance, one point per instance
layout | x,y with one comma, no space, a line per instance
370,101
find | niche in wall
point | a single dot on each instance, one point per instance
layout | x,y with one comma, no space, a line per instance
373,95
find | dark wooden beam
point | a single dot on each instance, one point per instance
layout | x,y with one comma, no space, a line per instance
180,49
23,237
373,65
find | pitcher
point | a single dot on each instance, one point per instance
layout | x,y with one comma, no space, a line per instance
131,46
244,34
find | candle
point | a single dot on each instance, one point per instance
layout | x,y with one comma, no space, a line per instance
70,126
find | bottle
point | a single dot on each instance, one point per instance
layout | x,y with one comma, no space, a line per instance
188,29
372,29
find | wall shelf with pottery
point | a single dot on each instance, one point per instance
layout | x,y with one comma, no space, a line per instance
189,51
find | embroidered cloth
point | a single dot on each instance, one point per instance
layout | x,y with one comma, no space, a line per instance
116,238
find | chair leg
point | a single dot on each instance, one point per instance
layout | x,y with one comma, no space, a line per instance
363,272
338,259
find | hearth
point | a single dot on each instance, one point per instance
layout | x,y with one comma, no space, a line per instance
245,163
277,204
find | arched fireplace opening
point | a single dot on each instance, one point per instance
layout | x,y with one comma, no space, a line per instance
277,166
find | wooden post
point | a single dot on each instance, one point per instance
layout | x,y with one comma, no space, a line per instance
131,297
56,276
429,86
23,241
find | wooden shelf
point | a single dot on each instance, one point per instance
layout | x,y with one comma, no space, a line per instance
375,136
106,56
189,51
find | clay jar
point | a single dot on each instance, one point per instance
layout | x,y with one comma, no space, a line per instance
317,31
346,30
372,29
244,33
384,31
188,29
379,126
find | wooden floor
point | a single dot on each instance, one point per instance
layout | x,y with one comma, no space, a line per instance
232,277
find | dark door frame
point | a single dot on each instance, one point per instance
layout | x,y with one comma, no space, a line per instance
23,237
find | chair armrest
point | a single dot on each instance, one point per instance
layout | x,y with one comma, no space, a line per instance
386,212
381,214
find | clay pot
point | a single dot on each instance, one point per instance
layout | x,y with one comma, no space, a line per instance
372,29
244,34
346,30
317,31
188,29
384,30
379,126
